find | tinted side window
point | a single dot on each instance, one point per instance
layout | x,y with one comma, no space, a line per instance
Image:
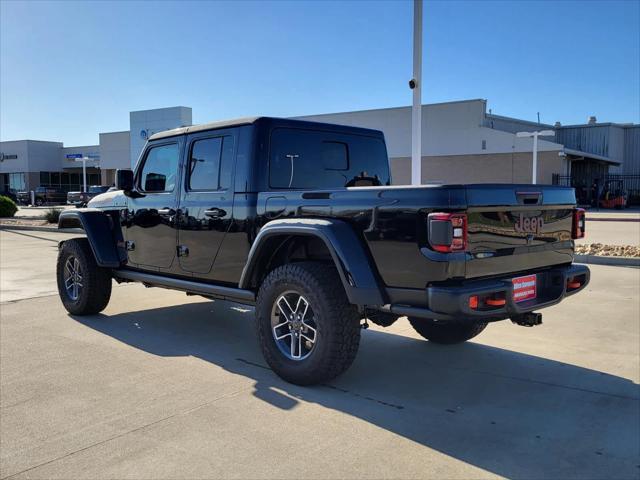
293,164
335,156
160,169
204,165
226,164
308,159
211,164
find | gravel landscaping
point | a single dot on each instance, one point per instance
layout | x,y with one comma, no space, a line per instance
608,250
25,222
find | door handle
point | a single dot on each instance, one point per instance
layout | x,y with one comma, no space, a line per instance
215,212
166,212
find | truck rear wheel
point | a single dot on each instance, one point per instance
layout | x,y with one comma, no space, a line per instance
308,331
446,333
83,286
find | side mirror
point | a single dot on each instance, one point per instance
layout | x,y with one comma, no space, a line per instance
124,180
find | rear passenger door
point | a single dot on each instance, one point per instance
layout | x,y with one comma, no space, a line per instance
206,202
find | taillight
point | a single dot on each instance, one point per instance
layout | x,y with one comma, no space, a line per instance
578,223
447,232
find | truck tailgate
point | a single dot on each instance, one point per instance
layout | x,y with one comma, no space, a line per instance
513,228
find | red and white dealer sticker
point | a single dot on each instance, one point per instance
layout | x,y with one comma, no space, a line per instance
524,288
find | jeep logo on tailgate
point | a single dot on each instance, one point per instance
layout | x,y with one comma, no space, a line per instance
529,224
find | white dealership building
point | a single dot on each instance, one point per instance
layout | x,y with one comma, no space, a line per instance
462,143
27,164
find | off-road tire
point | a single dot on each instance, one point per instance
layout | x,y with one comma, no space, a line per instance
95,293
337,321
446,333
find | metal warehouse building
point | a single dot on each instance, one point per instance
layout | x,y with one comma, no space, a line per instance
462,143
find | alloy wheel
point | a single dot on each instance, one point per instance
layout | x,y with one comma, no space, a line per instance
73,278
293,325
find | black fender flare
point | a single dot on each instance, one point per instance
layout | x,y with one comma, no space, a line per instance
102,234
346,249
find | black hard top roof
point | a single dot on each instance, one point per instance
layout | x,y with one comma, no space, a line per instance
270,121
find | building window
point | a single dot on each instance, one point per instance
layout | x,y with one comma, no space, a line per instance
484,144
68,181
17,182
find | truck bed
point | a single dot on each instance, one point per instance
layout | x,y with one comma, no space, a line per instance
392,221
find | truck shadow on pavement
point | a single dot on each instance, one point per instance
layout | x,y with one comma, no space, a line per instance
509,413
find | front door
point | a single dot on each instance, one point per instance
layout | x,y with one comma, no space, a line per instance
151,218
207,200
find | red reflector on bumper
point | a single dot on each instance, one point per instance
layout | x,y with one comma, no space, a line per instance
473,302
496,302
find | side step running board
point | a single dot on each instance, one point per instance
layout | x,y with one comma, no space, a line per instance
198,288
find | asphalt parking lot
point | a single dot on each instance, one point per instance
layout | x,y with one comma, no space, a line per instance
162,385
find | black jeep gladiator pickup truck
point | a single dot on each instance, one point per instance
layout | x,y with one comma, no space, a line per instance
299,219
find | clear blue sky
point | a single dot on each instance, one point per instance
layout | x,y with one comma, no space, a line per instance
72,69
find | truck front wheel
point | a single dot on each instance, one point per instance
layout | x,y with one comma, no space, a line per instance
308,331
83,286
446,333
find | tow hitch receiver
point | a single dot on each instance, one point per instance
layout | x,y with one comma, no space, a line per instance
530,319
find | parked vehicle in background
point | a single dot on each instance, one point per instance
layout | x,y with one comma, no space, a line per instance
300,219
613,195
43,196
80,199
23,198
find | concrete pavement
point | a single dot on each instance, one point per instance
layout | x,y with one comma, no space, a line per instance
28,263
612,233
628,215
167,386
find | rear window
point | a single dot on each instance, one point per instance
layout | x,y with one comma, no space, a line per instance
308,159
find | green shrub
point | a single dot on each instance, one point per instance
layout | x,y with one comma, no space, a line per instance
52,215
7,207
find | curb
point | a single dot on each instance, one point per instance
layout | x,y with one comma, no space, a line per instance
41,229
611,261
611,219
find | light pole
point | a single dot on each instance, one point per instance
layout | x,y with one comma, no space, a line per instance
535,135
84,161
416,85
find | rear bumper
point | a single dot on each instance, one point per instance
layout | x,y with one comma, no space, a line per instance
452,302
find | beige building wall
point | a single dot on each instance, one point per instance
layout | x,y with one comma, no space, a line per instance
107,177
494,168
